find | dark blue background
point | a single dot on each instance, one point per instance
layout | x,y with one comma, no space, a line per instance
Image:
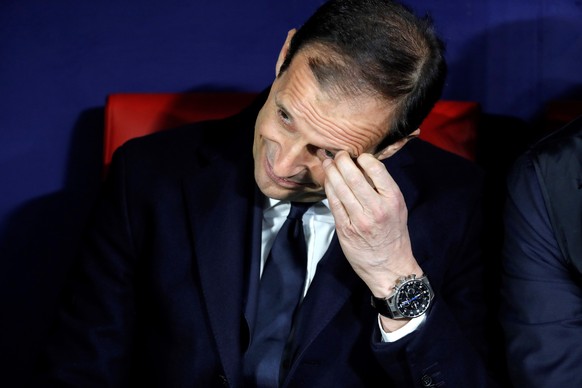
60,59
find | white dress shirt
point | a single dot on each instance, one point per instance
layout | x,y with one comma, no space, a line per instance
319,228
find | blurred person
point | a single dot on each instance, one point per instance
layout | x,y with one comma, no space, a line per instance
542,262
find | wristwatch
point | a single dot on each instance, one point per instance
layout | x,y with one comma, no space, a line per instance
411,298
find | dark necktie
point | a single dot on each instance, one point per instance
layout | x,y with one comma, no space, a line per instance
280,290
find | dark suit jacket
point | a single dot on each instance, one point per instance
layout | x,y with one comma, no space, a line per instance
171,258
541,308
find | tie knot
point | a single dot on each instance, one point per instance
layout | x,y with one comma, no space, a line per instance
298,209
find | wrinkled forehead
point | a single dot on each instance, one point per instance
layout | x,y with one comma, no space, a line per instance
341,78
336,74
357,119
329,78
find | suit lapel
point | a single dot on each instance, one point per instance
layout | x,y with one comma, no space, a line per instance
221,219
331,288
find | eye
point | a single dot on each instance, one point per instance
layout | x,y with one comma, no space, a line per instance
322,153
284,116
329,154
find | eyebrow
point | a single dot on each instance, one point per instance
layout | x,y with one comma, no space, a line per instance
279,105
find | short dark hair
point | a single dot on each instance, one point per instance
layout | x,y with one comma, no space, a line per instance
379,48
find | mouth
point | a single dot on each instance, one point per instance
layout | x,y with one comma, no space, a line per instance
283,182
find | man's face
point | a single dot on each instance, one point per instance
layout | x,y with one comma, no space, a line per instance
300,125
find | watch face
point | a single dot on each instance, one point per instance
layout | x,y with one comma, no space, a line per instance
413,298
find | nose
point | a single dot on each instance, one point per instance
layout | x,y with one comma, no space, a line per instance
293,160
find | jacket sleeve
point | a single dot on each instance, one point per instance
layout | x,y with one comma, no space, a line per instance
453,346
541,309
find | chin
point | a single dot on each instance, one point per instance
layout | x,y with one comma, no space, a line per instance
272,190
276,192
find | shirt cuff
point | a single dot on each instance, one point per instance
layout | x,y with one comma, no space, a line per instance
408,328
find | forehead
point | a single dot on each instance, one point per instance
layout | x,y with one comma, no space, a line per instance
355,121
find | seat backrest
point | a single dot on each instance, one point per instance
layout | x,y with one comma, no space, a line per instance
560,112
129,115
451,125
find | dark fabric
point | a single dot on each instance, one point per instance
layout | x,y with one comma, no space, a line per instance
558,163
160,296
280,291
541,303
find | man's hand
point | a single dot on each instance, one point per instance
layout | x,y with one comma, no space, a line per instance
371,220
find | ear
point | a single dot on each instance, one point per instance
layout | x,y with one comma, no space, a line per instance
284,49
396,146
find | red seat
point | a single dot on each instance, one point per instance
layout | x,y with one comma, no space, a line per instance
451,125
558,113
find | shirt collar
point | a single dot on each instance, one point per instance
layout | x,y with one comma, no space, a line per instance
271,203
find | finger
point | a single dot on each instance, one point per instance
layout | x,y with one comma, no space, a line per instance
342,190
335,204
376,171
361,186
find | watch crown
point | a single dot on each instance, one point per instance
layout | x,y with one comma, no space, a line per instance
403,279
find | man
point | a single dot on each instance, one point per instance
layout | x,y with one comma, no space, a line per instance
542,262
174,272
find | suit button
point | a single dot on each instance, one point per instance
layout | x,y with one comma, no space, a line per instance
223,380
427,381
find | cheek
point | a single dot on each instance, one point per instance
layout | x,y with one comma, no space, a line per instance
265,128
261,131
